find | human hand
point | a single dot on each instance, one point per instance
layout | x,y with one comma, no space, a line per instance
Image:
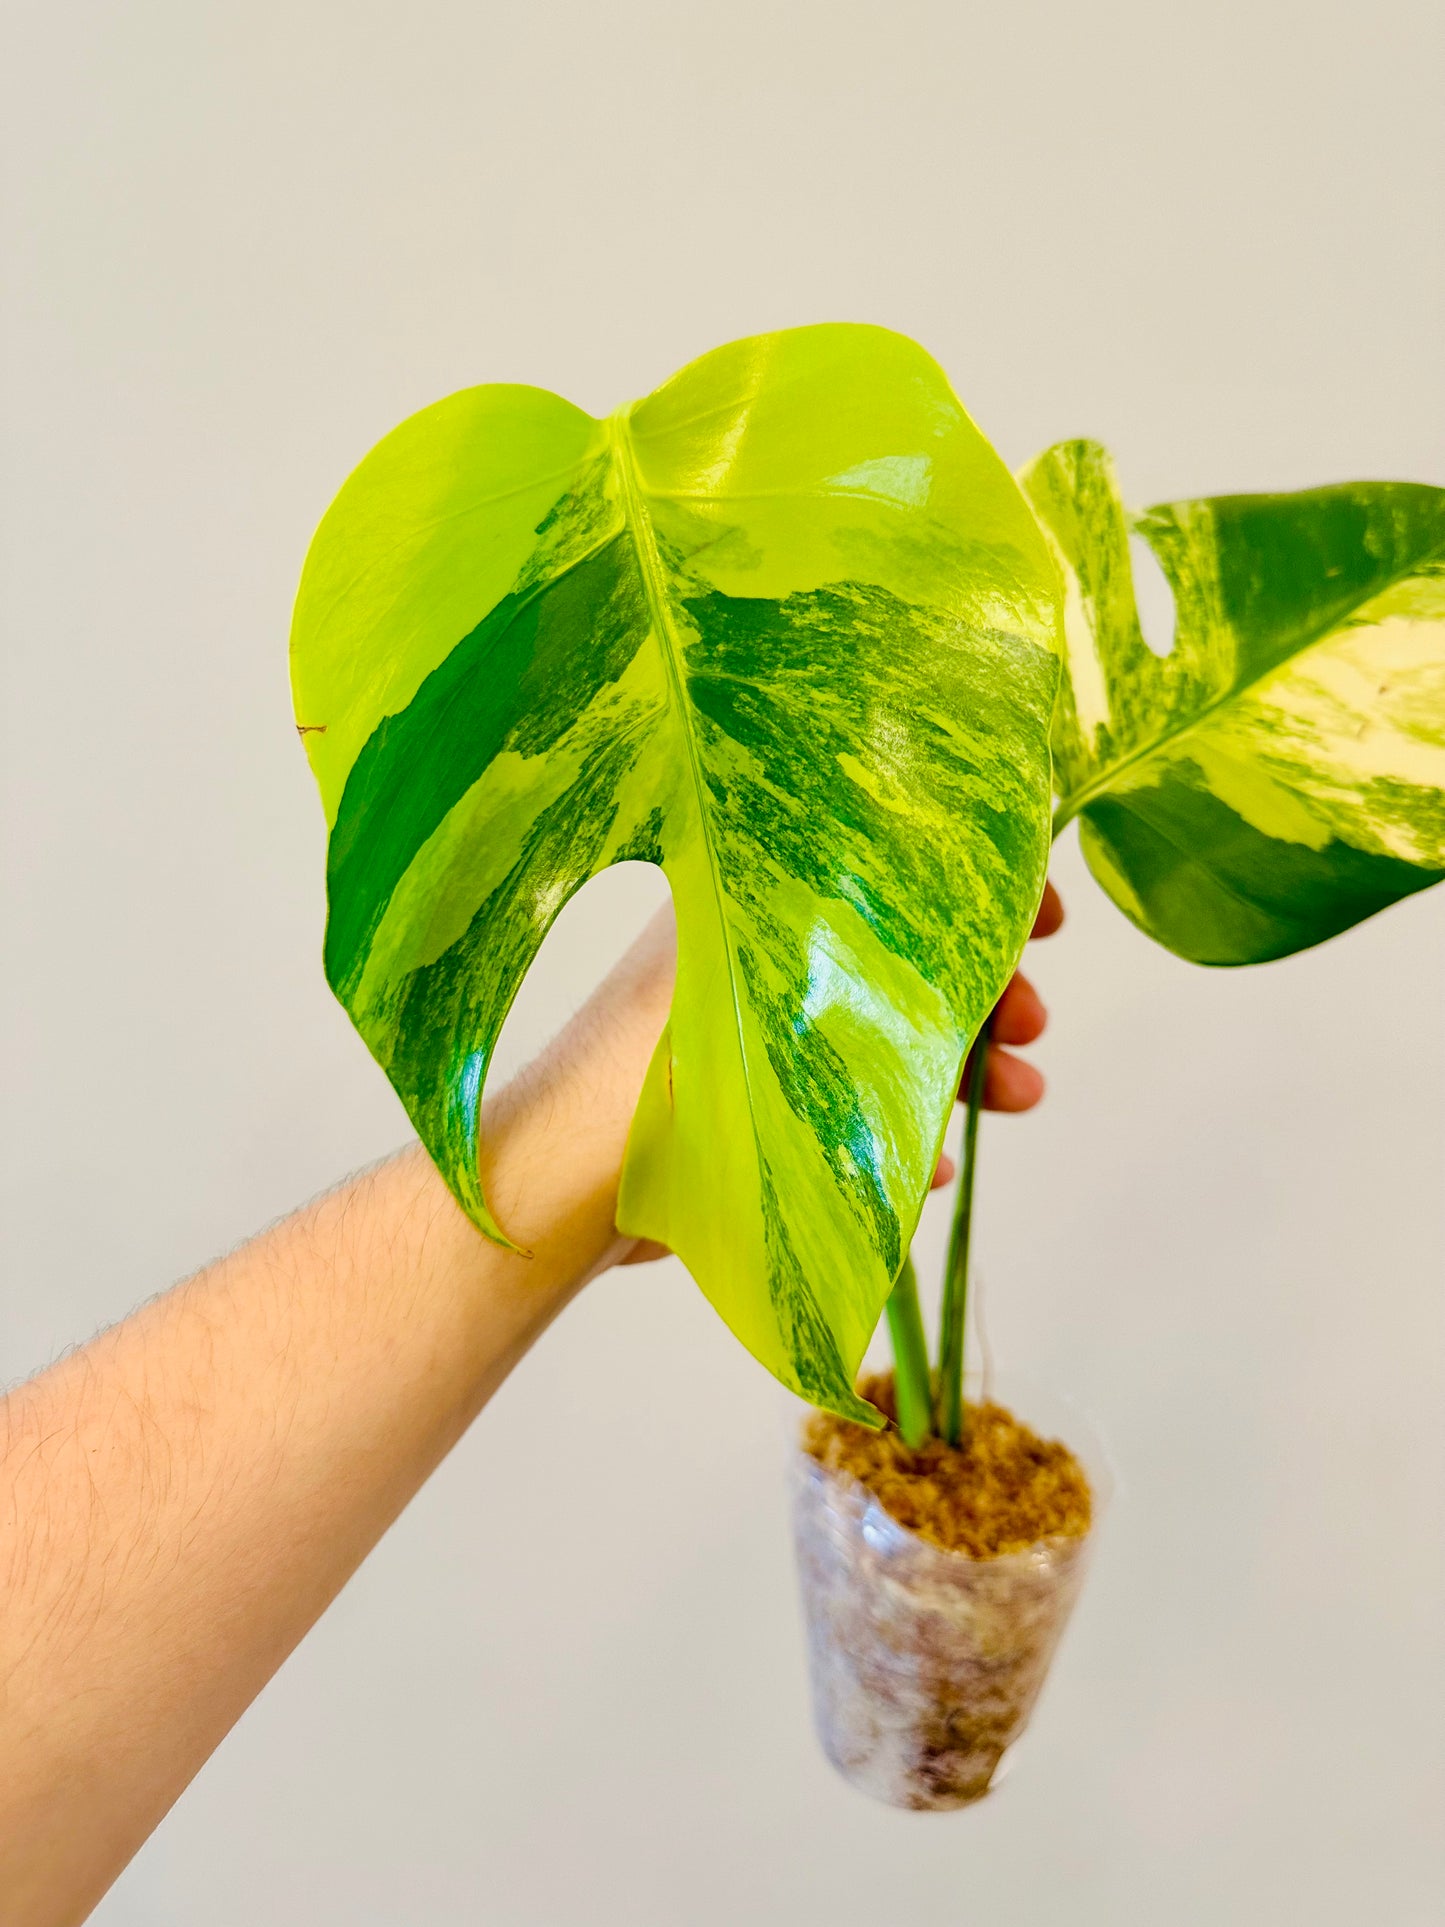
1011,1083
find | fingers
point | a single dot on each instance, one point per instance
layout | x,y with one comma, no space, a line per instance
1051,913
645,1252
1010,1084
1019,1016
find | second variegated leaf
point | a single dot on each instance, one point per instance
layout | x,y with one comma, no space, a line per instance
1279,774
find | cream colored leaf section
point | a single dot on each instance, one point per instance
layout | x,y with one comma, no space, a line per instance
1346,740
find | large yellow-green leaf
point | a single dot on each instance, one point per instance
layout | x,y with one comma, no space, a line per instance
786,628
1280,773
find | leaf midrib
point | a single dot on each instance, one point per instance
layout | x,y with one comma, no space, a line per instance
639,527
1071,807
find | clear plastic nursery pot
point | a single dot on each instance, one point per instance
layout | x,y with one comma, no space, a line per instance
925,1664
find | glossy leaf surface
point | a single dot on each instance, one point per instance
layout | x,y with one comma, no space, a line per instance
1280,773
785,628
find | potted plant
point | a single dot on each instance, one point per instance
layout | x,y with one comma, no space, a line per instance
1272,777
791,630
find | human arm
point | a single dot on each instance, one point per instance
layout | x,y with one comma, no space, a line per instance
180,1500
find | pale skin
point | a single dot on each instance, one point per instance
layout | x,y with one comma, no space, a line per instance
182,1498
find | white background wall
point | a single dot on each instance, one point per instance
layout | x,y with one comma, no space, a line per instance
566,1691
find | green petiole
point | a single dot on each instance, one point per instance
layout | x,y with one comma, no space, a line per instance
955,1277
913,1385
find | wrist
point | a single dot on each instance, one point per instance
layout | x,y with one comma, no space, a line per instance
554,1140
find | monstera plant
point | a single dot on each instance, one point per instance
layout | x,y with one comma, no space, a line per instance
789,629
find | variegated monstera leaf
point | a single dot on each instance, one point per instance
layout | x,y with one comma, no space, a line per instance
786,628
1280,773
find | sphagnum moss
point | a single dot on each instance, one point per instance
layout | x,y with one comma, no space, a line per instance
1002,1491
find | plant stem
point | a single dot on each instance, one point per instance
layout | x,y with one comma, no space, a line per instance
912,1385
955,1276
